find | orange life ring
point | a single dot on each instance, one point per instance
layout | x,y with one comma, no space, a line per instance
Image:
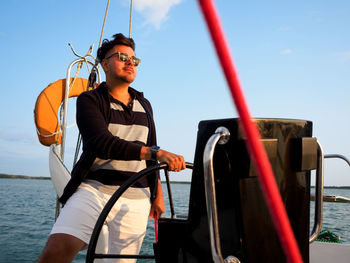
46,109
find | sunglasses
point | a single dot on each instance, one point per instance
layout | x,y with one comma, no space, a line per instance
125,58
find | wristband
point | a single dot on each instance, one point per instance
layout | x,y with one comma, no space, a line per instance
154,150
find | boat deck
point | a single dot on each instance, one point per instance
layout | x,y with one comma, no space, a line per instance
329,252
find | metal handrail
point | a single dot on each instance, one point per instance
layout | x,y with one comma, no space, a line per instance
91,255
220,136
334,198
66,95
337,156
319,189
318,194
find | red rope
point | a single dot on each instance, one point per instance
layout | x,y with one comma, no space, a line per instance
254,145
155,228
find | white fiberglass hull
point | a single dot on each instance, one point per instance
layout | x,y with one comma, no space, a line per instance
323,252
58,171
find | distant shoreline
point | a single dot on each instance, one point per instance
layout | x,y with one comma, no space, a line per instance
9,176
335,187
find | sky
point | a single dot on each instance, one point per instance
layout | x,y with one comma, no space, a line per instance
292,58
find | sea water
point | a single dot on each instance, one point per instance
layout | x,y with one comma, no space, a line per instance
27,211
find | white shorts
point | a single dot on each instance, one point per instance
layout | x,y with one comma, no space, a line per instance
124,228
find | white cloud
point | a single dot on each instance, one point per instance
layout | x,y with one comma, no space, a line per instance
154,11
344,56
286,51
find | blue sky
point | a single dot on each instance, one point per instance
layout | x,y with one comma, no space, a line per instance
292,57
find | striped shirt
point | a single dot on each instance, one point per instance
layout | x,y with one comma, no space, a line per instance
129,123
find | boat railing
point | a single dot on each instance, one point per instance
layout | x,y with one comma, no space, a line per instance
339,199
318,194
339,156
334,198
221,136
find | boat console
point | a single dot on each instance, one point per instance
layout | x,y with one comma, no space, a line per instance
245,228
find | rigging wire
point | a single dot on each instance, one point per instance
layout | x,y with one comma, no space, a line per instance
105,18
103,25
130,19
